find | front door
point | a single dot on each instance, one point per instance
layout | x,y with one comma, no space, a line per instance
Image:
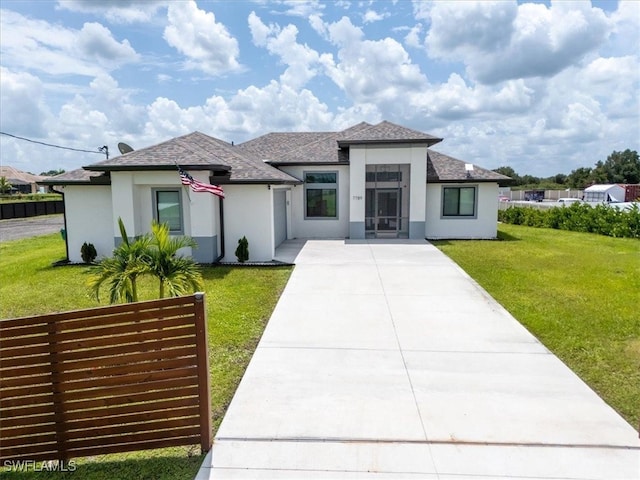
383,212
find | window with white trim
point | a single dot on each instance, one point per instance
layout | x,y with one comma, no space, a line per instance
321,195
459,201
168,208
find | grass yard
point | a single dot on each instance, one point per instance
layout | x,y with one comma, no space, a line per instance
239,303
578,293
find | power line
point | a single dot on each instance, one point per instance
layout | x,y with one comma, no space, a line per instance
100,151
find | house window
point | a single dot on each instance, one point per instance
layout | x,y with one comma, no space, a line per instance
321,194
459,202
168,209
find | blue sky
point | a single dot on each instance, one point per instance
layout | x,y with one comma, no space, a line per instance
543,87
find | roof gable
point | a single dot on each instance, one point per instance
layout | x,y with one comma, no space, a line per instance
386,132
196,151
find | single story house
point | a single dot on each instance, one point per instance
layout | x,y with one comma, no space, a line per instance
21,182
368,181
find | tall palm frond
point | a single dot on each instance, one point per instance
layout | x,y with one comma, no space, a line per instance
122,270
176,274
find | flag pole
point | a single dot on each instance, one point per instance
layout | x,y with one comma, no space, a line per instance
183,185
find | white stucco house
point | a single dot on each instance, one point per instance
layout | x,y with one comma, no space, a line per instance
368,181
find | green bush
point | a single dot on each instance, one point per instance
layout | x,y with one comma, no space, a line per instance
88,252
579,217
242,252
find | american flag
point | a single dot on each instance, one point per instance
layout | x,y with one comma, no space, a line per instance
197,186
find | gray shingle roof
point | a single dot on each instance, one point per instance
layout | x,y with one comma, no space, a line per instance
304,147
18,177
247,161
78,176
197,151
443,168
386,132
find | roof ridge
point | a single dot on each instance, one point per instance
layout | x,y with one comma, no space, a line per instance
329,135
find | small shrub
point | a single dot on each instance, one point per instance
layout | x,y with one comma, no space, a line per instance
88,252
242,252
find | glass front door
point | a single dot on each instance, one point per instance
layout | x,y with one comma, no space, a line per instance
387,211
383,212
386,201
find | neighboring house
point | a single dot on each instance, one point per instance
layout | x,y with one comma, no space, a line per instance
368,181
21,182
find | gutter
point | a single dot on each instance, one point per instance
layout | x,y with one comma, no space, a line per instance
221,256
64,216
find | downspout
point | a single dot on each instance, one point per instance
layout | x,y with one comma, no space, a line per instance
221,256
64,216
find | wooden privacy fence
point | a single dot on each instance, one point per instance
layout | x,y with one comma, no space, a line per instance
105,380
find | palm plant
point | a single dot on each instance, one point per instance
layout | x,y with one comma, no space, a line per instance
5,185
176,274
122,270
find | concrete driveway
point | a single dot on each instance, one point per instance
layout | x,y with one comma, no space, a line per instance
384,359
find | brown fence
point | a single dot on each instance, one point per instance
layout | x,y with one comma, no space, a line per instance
106,380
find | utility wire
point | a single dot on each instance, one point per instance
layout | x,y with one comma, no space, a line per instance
100,150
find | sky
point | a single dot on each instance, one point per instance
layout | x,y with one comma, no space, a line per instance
542,87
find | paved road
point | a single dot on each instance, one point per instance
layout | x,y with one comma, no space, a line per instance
17,228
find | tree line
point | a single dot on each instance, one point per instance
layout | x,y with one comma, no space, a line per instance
620,167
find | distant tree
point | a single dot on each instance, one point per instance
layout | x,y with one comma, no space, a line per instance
559,178
51,173
529,180
5,185
579,178
620,167
509,172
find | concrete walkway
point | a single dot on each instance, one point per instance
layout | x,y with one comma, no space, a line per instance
385,360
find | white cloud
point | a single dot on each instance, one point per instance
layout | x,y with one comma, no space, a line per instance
302,8
318,25
120,11
371,16
302,62
95,41
502,41
412,39
207,44
23,108
626,30
248,113
371,71
38,45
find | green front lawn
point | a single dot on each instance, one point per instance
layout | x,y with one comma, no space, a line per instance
239,303
578,293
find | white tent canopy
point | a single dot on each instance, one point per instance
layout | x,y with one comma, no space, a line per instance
604,193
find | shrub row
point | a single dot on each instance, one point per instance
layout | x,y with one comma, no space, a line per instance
579,217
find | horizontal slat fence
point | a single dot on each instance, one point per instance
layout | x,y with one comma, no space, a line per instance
105,380
30,209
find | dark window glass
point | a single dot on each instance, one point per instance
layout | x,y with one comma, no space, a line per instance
168,209
459,202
